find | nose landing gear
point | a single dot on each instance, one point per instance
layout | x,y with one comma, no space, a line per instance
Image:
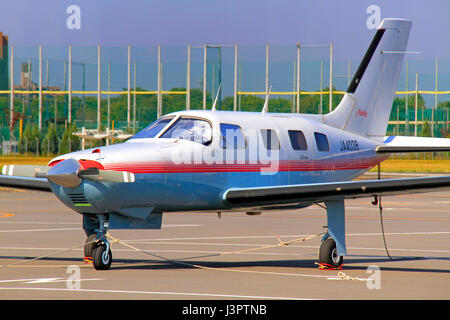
97,248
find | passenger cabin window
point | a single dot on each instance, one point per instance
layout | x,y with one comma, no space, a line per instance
270,139
231,136
153,129
298,140
321,141
191,129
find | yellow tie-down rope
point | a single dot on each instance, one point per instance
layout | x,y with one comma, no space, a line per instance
279,244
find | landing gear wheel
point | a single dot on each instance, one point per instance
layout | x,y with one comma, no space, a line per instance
102,257
328,254
89,246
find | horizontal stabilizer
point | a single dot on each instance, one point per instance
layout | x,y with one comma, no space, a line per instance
399,144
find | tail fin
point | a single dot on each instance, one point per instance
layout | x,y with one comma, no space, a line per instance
366,106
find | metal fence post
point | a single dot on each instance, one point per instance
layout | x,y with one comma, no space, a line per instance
298,78
331,77
11,98
99,98
159,100
188,78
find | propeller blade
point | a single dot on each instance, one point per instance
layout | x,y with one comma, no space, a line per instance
21,170
68,173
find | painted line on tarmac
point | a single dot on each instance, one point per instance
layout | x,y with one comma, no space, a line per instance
216,295
279,236
39,230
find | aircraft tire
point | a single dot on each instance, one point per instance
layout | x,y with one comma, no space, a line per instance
328,253
101,258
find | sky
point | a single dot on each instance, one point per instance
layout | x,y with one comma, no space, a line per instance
347,24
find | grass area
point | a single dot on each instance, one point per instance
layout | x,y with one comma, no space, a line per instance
400,165
390,165
23,159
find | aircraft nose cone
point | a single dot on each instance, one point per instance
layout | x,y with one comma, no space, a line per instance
65,173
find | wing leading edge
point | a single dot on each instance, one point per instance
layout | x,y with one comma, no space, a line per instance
320,192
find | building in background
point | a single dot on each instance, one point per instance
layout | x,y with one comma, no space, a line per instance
4,62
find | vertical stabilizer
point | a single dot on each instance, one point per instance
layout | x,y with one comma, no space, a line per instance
366,106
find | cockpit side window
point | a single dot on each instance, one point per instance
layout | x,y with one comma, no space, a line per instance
191,129
270,139
232,137
153,129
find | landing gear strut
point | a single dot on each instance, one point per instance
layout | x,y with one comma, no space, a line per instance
97,247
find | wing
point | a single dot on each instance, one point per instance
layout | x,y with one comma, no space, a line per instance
399,144
320,192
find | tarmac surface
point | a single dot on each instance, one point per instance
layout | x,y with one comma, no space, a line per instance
199,256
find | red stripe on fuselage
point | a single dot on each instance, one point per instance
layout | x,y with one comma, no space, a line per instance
282,165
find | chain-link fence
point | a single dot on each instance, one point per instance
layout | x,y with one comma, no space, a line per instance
57,91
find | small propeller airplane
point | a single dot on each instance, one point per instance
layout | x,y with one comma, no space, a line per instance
219,161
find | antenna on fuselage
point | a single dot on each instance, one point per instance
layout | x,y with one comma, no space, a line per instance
217,97
266,103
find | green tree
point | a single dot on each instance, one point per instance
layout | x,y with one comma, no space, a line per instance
31,140
69,142
50,141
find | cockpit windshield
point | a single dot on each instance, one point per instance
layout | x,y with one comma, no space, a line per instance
191,129
152,130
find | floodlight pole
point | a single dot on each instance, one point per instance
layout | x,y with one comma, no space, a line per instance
11,98
204,75
235,77
69,104
109,95
129,90
298,78
40,87
267,70
99,98
134,97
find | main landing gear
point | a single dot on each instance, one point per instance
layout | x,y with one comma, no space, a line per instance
97,248
328,254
